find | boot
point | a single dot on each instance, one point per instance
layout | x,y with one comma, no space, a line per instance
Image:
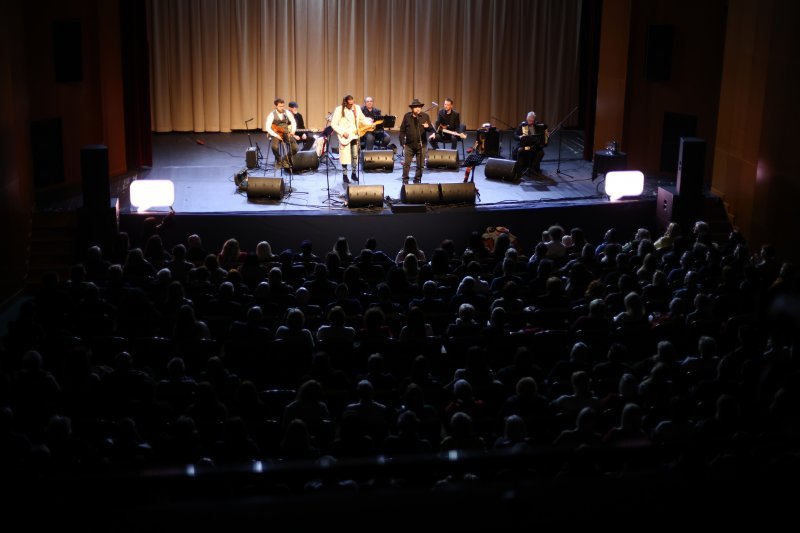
354,177
466,174
344,179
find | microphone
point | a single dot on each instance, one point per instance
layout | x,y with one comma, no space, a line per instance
435,103
249,120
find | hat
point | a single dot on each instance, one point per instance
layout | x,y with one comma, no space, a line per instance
416,103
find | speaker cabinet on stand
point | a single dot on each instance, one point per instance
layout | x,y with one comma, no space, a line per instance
691,167
98,218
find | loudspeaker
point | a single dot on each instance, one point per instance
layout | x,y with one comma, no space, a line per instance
658,53
94,177
378,160
500,169
691,167
673,207
305,160
364,196
250,157
665,206
265,188
421,193
458,193
442,158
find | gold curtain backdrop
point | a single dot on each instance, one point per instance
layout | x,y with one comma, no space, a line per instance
216,63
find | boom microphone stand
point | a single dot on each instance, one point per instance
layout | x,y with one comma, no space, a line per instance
557,130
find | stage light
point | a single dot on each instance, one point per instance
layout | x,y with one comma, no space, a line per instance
152,193
624,183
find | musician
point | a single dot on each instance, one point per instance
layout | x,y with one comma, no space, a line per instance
281,127
300,135
346,120
415,127
378,135
447,119
531,137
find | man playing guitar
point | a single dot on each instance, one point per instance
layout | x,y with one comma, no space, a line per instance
448,126
346,121
301,134
280,127
378,137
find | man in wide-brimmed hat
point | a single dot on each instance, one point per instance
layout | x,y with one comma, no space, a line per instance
415,131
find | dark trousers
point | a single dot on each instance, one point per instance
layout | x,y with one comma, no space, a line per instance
276,146
373,138
444,138
409,152
529,158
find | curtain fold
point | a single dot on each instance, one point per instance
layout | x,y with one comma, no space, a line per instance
216,63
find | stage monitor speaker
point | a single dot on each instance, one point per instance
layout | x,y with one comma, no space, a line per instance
500,169
94,177
421,193
458,193
658,53
250,157
442,158
265,188
691,167
364,196
378,160
305,160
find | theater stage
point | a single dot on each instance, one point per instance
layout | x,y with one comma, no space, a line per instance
314,204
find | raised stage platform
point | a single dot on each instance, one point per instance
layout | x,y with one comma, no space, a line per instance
314,205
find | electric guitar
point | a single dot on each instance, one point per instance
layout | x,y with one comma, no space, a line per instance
454,133
361,131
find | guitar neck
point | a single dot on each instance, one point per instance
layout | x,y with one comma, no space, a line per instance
457,134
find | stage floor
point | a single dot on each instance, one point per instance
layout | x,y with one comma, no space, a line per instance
202,168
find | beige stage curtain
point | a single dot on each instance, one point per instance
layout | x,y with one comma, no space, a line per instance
216,63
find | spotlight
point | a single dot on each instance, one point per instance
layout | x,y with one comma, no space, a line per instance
624,183
152,193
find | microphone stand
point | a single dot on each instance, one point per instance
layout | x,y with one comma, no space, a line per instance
510,128
422,152
557,130
259,156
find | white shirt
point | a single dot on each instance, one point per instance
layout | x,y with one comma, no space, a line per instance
271,117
